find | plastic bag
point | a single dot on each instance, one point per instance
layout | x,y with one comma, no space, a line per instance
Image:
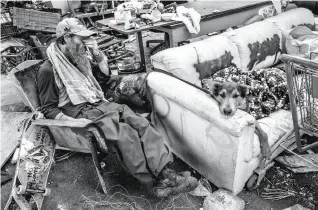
204,188
223,200
296,207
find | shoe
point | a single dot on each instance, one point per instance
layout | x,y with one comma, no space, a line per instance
175,183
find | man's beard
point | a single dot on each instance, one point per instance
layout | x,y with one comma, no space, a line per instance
79,58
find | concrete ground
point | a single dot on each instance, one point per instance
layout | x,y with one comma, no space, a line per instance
75,185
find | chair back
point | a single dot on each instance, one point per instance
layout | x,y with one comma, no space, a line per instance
24,79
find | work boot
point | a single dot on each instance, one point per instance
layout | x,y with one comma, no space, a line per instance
174,183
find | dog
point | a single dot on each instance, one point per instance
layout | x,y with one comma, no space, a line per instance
232,96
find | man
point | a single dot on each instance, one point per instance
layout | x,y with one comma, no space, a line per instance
69,91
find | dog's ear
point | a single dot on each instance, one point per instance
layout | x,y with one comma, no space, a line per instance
213,86
244,90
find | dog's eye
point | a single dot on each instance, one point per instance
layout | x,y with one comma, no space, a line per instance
235,96
222,95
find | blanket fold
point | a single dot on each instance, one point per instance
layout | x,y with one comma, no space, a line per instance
190,18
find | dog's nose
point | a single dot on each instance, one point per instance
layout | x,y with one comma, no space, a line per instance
227,111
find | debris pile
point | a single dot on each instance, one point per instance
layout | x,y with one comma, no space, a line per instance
300,188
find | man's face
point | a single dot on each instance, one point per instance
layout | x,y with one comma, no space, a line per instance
76,45
76,52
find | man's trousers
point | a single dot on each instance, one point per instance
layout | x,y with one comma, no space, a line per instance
139,146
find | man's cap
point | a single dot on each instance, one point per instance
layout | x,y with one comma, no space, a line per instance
72,26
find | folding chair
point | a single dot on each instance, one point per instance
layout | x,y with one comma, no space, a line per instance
68,135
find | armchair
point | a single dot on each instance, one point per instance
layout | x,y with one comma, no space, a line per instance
225,150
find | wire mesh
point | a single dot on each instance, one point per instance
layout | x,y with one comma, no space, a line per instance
305,89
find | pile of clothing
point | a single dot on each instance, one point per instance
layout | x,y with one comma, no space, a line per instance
302,42
128,89
135,13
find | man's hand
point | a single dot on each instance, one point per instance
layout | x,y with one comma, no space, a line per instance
98,55
91,44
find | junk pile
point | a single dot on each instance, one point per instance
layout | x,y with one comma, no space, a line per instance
34,24
135,14
13,52
297,188
34,158
220,199
23,41
21,23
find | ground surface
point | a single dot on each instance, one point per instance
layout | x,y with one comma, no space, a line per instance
75,185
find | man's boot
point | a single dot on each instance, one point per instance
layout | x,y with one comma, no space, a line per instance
173,183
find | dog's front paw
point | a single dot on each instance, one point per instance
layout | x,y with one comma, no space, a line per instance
266,152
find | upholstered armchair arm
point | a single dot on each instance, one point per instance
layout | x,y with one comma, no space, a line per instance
199,103
217,147
239,128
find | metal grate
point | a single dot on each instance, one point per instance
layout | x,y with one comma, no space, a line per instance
302,77
7,28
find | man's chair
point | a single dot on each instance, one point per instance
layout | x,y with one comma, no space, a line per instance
68,135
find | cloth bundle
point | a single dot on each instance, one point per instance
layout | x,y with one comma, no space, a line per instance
128,89
190,18
268,88
301,42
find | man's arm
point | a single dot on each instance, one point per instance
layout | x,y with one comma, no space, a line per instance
48,91
98,55
101,59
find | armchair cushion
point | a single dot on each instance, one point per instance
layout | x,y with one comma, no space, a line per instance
205,55
259,44
296,17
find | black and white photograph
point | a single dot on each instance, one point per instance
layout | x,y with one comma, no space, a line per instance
159,105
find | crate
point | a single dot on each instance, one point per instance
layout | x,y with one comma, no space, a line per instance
14,55
35,20
7,28
5,18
